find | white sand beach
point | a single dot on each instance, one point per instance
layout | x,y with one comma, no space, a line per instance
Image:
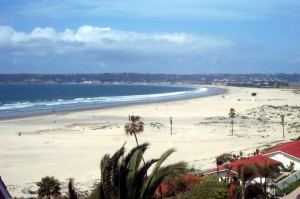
68,145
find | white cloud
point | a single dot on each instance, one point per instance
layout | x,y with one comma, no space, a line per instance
45,33
9,35
47,39
97,49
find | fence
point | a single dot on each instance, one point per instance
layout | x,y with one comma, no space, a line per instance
288,180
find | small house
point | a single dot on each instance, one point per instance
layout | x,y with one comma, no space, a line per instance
286,154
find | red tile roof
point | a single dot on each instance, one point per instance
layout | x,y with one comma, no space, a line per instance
292,148
259,159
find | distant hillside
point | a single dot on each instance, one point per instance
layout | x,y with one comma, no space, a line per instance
260,80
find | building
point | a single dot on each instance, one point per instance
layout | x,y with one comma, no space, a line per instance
286,154
231,169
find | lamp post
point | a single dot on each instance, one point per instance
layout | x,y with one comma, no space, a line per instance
282,123
171,124
253,96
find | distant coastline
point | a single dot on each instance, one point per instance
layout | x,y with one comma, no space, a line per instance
244,80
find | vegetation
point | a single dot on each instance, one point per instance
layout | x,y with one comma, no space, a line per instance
206,188
246,172
268,171
134,127
292,187
49,188
288,168
222,159
71,189
179,185
124,177
255,191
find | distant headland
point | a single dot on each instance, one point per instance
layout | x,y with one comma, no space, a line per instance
245,80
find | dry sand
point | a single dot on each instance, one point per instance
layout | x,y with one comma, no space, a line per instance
72,144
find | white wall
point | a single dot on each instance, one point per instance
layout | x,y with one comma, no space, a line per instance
285,159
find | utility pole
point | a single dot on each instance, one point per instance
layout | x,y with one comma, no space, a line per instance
171,124
282,123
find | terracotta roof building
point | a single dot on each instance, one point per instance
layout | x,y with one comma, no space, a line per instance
286,154
233,171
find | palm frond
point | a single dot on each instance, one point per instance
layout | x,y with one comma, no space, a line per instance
107,180
139,178
211,189
115,170
246,171
142,148
135,126
125,177
128,129
162,158
163,174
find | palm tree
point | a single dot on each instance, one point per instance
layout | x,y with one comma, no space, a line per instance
71,189
219,162
134,127
125,177
49,187
179,185
267,171
228,172
255,191
232,115
288,168
221,159
246,172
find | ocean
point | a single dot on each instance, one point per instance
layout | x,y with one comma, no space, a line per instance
17,100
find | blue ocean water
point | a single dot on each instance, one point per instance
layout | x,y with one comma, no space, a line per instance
28,99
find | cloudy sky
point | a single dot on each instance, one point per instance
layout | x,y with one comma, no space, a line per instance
157,36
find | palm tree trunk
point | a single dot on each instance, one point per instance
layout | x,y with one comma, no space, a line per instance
231,126
265,188
218,172
243,187
137,143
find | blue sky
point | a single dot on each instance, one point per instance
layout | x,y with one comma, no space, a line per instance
158,36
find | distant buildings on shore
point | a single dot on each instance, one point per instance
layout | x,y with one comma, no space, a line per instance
244,80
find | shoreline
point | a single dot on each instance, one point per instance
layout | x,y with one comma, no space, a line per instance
218,91
71,145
